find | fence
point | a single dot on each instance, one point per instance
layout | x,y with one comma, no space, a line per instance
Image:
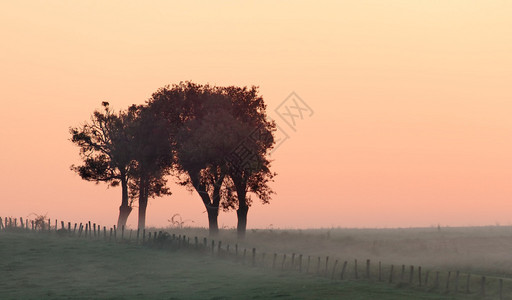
446,282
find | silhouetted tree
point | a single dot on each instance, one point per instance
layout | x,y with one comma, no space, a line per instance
206,125
152,157
105,150
249,164
199,118
202,145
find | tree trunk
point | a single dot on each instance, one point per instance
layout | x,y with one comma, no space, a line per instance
211,208
142,215
241,227
125,209
143,203
243,208
124,213
213,213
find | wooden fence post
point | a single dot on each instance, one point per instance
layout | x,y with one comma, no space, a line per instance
500,290
326,266
300,263
367,269
196,241
274,261
391,274
219,247
467,283
253,257
411,274
1,223
343,269
22,224
355,269
104,233
436,282
205,242
380,271
74,229
293,260
457,273
110,236
419,276
482,287
448,281
236,251
318,266
334,269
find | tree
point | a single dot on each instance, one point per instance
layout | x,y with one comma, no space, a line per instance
199,119
206,125
203,144
105,150
152,157
249,164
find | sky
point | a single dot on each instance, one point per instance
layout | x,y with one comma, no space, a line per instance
407,120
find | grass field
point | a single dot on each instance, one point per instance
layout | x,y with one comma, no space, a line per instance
43,266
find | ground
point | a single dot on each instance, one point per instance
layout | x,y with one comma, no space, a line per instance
42,266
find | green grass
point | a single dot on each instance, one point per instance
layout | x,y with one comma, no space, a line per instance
42,266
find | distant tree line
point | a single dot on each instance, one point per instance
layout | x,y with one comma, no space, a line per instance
213,140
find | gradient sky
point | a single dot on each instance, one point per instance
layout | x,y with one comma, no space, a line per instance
411,101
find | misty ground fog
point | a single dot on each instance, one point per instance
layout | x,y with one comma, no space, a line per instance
484,250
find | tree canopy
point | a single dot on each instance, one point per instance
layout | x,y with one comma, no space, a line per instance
214,140
105,150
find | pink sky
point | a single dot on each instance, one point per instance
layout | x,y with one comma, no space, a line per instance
411,101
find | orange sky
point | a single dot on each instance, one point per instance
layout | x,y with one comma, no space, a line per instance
411,101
